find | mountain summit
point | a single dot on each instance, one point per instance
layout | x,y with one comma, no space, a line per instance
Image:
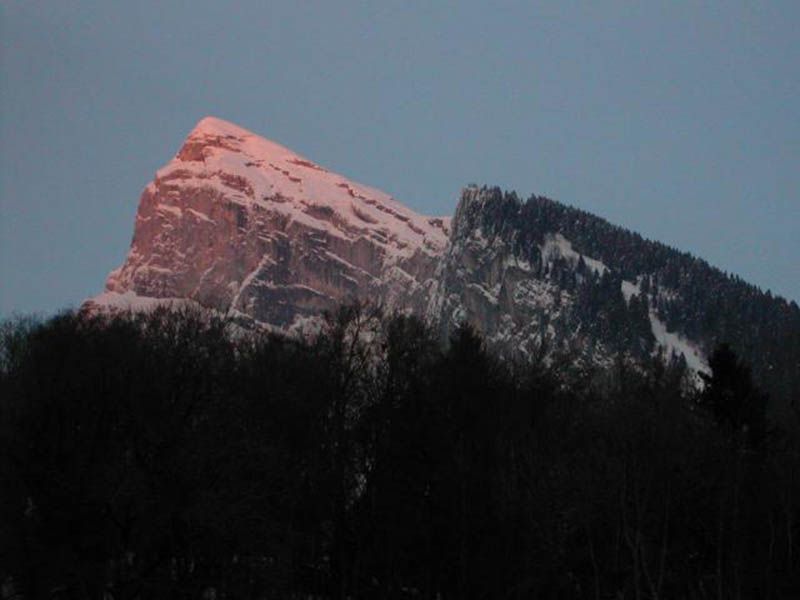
244,226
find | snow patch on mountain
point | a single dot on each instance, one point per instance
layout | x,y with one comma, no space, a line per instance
131,302
629,290
557,246
677,344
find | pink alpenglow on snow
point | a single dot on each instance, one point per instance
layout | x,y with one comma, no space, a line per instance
247,227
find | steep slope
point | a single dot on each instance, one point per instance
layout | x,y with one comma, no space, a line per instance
240,224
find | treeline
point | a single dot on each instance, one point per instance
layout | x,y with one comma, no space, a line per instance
170,455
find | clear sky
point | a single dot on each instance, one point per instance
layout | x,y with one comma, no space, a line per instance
678,120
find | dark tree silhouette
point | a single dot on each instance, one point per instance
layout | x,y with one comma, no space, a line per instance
732,397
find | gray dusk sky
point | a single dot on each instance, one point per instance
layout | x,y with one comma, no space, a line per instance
680,120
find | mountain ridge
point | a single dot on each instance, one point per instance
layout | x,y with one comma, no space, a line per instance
247,227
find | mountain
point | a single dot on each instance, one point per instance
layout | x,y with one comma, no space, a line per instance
249,228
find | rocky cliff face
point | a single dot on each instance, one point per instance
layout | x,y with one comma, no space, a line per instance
487,280
531,293
242,225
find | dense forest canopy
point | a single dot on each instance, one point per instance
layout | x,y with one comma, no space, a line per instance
172,455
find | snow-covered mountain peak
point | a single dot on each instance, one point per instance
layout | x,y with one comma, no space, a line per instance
244,225
212,135
249,169
212,125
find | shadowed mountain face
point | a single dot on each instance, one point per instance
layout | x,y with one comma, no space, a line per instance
242,225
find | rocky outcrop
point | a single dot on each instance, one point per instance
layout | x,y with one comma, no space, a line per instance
485,281
244,226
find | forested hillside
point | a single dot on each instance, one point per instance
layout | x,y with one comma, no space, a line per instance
692,298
